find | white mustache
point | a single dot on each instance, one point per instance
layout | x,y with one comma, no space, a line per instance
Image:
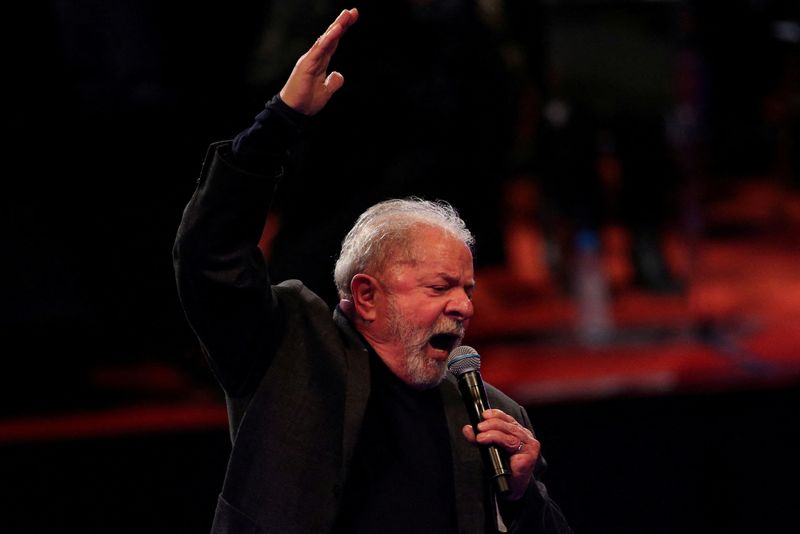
455,328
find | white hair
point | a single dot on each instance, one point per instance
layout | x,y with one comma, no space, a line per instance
382,233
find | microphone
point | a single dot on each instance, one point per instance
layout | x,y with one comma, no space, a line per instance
465,363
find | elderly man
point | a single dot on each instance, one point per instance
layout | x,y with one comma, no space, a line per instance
345,423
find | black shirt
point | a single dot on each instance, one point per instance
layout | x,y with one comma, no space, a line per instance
401,475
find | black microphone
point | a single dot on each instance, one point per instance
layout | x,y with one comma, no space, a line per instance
465,363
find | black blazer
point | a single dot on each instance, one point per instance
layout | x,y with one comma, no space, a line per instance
296,378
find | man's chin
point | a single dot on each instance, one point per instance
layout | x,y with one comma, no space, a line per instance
426,376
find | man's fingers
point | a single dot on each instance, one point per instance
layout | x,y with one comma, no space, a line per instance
469,433
345,19
493,413
502,429
319,55
340,20
328,41
494,419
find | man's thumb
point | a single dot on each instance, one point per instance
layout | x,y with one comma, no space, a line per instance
333,82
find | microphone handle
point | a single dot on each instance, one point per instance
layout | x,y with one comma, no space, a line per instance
474,394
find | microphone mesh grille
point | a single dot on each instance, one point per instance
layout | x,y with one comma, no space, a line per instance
463,359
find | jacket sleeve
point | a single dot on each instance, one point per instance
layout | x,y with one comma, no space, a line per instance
220,272
535,512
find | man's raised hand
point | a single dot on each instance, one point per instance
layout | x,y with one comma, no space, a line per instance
309,86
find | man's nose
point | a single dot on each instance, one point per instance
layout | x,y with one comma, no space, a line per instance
460,306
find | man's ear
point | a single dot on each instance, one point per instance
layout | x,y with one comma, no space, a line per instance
364,289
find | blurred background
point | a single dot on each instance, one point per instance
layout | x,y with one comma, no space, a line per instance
631,170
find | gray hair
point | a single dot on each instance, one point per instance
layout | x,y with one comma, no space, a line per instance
381,233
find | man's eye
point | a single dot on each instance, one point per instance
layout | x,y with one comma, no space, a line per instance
439,289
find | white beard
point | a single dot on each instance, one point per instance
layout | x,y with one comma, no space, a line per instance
420,370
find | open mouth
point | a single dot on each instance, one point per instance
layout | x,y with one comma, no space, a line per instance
445,342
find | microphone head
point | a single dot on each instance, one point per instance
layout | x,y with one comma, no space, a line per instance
463,359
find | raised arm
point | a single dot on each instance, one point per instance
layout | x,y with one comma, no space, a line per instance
220,272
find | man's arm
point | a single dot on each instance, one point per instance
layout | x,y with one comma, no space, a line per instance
220,272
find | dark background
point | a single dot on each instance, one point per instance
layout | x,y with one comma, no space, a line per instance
109,109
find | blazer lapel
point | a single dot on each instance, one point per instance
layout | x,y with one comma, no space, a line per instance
467,464
358,383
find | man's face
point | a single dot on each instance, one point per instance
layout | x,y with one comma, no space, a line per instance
424,308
